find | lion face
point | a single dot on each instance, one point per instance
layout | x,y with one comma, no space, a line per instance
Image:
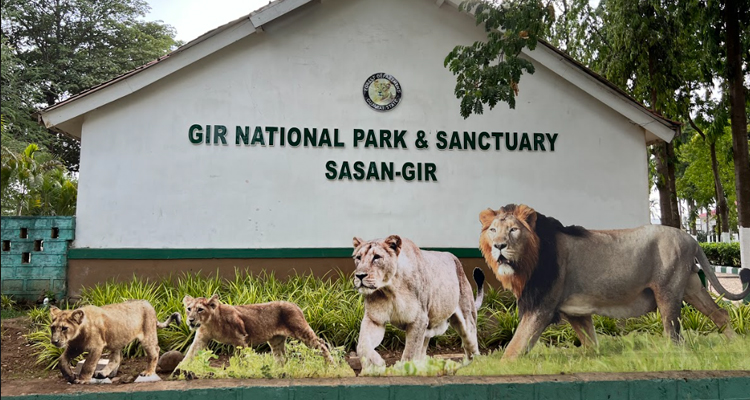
508,240
65,326
199,310
383,88
375,263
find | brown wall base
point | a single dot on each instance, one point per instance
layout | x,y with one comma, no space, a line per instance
87,273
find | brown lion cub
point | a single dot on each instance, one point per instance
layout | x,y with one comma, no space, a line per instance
111,327
249,325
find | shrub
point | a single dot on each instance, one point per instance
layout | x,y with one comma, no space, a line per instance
301,362
335,310
723,254
7,303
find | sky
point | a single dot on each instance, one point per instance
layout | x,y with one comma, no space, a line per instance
192,18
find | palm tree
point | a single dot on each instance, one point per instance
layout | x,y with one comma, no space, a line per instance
30,187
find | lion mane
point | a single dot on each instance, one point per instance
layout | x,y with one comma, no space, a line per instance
538,268
569,272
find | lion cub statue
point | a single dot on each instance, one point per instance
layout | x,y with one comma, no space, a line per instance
415,290
570,272
112,327
249,325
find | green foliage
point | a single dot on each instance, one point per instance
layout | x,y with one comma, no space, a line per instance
334,310
9,309
301,362
697,180
723,254
636,352
489,72
430,366
8,303
644,50
40,317
34,186
53,50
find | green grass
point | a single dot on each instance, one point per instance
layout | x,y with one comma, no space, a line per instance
301,362
9,309
7,302
636,352
428,367
335,310
15,313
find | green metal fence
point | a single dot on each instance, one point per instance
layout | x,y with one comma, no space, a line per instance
34,255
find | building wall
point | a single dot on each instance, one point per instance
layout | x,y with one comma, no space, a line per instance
143,184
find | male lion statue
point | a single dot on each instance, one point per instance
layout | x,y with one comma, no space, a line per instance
570,272
249,325
416,290
111,327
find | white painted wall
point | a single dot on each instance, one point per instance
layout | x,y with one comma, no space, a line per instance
144,185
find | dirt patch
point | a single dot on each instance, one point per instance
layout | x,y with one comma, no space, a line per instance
16,358
22,376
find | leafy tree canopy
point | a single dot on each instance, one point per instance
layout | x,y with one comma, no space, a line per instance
58,48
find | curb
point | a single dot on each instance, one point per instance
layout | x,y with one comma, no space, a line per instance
664,389
727,270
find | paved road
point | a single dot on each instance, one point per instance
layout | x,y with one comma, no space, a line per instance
731,282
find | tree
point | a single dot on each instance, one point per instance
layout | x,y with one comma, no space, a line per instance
713,132
643,57
31,186
17,102
721,35
63,47
489,72
697,181
735,16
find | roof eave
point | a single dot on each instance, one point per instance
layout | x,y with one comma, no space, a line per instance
67,115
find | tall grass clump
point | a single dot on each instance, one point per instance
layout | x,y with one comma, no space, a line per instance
7,302
10,309
301,362
334,310
429,366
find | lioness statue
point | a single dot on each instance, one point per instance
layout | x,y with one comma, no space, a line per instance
415,290
249,325
570,272
111,327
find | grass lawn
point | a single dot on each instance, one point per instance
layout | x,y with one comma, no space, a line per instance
13,313
301,362
636,352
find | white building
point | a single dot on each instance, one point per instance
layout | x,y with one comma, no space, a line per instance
178,171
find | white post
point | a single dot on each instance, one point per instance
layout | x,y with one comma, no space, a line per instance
745,247
726,237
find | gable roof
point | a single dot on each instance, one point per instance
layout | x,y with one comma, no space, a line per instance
67,116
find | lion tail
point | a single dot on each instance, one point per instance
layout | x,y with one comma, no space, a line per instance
479,279
708,269
175,317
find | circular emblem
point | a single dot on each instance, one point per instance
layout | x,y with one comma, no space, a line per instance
382,91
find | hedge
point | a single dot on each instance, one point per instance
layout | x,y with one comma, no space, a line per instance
723,254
